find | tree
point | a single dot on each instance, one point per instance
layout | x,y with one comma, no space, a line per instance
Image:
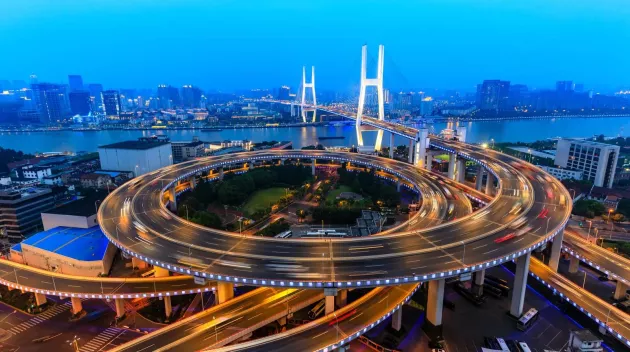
301,214
624,207
588,208
207,219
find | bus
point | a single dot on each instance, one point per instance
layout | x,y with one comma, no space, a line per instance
524,347
527,319
285,234
503,345
317,310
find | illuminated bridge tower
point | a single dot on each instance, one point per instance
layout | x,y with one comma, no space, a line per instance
305,85
372,82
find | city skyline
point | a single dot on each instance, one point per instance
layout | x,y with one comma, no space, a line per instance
535,46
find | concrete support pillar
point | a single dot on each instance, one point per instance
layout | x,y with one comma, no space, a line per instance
192,181
452,158
479,278
161,272
435,302
398,184
168,308
77,307
342,298
40,298
620,290
461,170
397,319
574,265
479,178
411,151
120,307
225,292
420,149
520,285
173,199
313,166
282,321
489,183
250,165
221,173
138,263
330,294
330,304
429,164
461,133
391,146
556,251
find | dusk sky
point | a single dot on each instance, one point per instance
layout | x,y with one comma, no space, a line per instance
246,44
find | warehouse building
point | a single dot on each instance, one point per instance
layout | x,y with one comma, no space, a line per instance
145,155
66,250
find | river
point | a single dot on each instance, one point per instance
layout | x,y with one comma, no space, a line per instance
483,131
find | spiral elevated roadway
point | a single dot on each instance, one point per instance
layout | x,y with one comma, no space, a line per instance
440,251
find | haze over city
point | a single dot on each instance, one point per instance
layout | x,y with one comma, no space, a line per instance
228,45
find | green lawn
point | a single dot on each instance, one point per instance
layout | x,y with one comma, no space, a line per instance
334,193
263,199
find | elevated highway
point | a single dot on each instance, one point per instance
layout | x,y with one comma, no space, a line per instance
36,280
608,317
229,257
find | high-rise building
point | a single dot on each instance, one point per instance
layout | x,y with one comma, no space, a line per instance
492,95
191,96
564,94
111,104
80,102
20,212
284,93
517,95
95,95
597,161
75,82
49,101
168,97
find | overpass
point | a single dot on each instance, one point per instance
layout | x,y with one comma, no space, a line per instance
526,209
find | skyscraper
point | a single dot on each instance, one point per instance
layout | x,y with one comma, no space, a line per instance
80,102
75,82
111,104
564,94
49,101
284,93
493,95
95,92
191,96
169,97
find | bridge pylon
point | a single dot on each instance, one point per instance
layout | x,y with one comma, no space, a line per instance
371,82
305,85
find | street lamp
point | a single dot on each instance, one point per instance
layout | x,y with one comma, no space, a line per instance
74,343
96,205
492,140
610,219
590,224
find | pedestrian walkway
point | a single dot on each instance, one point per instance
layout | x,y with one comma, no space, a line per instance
40,318
101,339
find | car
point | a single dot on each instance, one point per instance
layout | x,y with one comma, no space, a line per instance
505,238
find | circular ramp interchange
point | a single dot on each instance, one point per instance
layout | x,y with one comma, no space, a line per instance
449,249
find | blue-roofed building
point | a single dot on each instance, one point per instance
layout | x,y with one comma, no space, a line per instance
67,250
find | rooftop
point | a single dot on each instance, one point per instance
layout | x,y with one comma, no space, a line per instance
136,145
85,206
81,244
